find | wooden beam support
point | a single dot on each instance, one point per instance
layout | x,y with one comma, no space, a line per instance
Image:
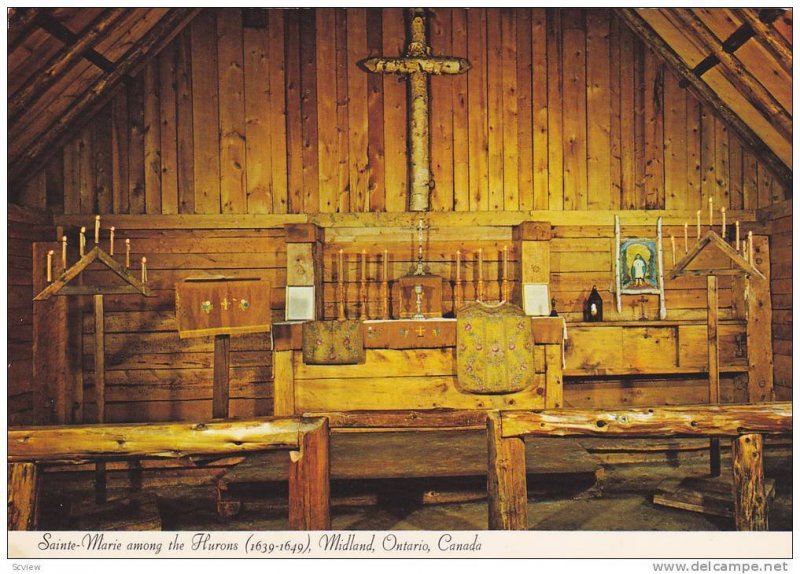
434,419
758,304
155,440
749,498
309,481
222,360
22,489
712,300
24,166
58,65
506,480
749,137
65,35
684,421
772,41
736,73
21,22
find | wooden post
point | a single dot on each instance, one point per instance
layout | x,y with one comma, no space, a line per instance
749,500
22,487
309,481
304,260
100,389
506,482
713,364
222,357
759,327
554,387
283,383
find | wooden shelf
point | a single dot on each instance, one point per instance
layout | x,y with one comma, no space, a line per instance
736,368
653,323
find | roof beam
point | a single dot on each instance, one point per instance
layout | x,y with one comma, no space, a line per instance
21,21
772,41
58,30
38,84
705,93
737,74
25,164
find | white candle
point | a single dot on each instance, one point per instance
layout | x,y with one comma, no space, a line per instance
744,249
723,223
144,270
364,265
710,212
127,254
64,252
698,225
96,229
685,237
737,236
385,264
50,266
458,266
505,262
112,241
672,240
82,243
341,265
750,246
480,264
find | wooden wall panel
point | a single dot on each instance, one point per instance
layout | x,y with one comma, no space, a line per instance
781,263
562,109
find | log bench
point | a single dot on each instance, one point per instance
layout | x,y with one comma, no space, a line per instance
744,424
305,440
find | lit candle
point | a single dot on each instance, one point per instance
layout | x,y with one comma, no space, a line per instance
363,264
710,212
698,225
96,229
64,252
686,237
750,246
50,266
672,240
144,270
385,264
723,223
112,241
341,265
127,254
480,264
737,236
82,242
458,266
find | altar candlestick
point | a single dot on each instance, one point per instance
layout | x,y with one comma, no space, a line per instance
724,233
480,274
672,240
504,284
686,237
50,266
364,285
96,229
459,294
710,213
64,252
385,285
363,264
111,252
341,264
750,246
737,236
144,270
341,314
82,241
127,254
698,225
385,264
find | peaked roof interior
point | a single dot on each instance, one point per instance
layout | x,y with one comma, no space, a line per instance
64,64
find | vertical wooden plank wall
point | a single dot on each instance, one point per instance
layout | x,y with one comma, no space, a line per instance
562,109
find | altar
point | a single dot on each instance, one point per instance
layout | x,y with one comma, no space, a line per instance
409,365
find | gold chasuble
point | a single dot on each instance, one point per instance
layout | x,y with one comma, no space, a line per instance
494,349
333,343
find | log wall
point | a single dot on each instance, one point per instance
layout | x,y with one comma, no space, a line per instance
231,118
24,227
781,284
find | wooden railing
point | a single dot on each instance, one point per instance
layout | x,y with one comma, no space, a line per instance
744,424
306,439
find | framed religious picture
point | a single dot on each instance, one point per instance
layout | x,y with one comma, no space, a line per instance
300,303
639,266
536,299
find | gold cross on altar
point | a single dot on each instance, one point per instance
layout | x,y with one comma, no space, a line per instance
420,331
418,64
225,303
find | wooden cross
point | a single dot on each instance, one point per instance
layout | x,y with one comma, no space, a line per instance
418,64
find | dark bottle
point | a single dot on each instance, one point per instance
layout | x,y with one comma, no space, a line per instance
594,306
553,312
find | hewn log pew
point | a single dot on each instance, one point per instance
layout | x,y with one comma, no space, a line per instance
306,439
506,431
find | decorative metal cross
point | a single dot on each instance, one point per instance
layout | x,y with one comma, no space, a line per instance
419,267
418,64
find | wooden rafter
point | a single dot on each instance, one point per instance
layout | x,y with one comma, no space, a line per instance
742,266
59,64
21,21
705,93
23,166
736,72
771,40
